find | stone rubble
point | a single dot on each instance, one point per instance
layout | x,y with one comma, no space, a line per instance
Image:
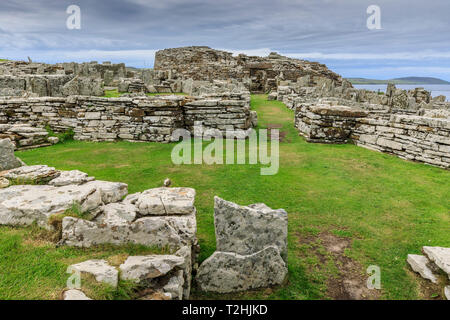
163,276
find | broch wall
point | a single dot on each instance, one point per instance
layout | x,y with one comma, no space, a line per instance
261,74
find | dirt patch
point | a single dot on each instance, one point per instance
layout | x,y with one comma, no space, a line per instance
427,290
282,134
350,281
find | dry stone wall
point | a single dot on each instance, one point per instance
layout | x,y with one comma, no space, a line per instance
136,119
408,136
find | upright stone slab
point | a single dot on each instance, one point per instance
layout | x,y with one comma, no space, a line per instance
226,272
246,230
7,159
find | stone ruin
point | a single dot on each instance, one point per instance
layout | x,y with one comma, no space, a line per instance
37,97
258,74
161,217
407,123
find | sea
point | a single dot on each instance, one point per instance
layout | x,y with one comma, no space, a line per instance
436,89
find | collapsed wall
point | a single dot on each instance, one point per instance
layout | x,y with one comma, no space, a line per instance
141,118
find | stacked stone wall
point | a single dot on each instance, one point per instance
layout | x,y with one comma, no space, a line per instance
406,135
136,119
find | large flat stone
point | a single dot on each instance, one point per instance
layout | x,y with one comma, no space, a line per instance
142,268
172,231
39,174
226,272
246,230
117,213
166,201
100,269
440,256
25,204
71,177
421,265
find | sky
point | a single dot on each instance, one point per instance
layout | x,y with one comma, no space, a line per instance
413,39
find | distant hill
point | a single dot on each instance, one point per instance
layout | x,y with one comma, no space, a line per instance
405,80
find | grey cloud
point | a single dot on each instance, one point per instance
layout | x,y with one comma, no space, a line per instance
297,26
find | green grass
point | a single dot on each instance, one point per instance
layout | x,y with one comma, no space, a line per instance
387,206
117,94
33,268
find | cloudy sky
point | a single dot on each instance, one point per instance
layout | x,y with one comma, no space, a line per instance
413,39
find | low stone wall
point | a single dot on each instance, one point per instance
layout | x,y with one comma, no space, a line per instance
327,124
135,119
408,136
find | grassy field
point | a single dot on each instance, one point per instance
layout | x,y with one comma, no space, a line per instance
378,206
